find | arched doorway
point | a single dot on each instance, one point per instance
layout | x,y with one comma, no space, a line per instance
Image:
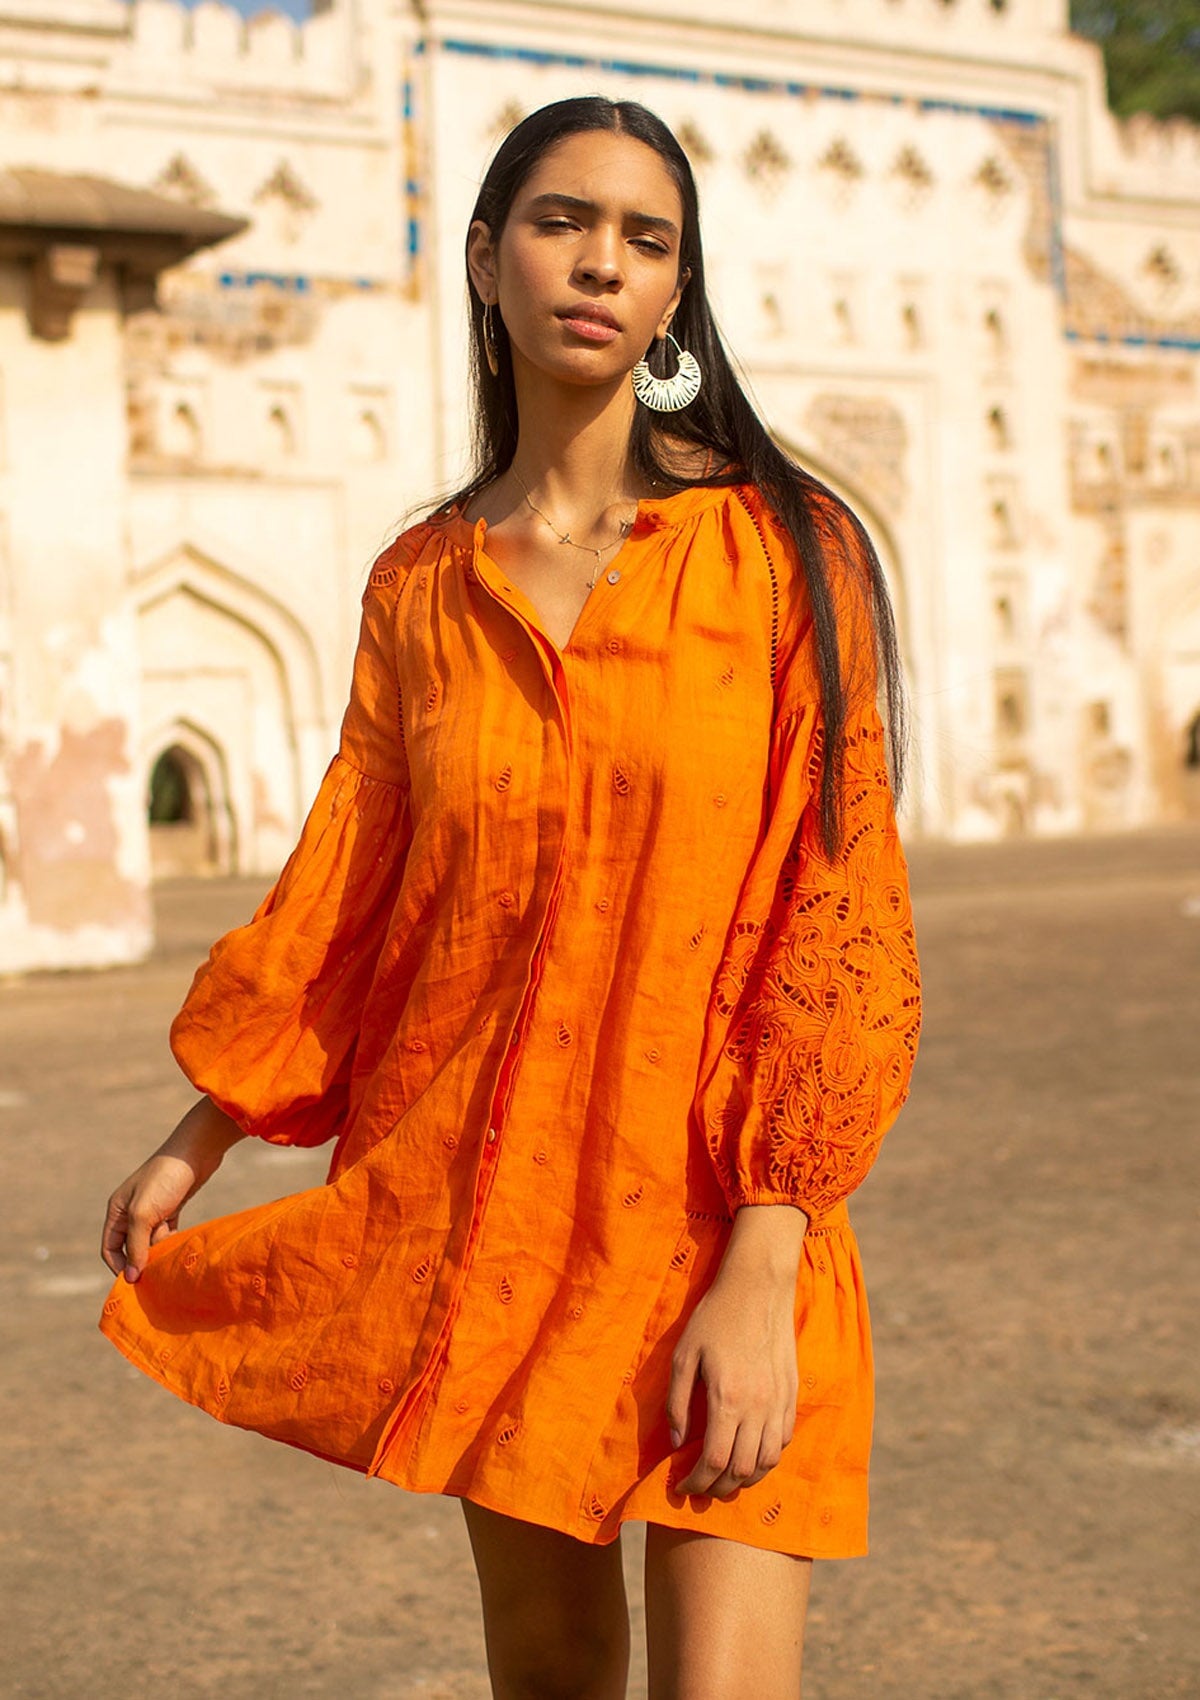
231,676
1191,767
187,810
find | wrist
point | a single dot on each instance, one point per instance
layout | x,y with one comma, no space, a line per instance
202,1136
769,1238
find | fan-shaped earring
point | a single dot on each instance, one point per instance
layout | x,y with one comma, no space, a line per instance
489,340
668,395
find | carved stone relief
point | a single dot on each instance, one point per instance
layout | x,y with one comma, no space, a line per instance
863,439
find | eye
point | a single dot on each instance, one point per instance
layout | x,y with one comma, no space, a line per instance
557,222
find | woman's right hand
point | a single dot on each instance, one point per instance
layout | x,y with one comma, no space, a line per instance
146,1206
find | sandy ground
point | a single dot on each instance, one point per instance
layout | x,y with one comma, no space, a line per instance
1029,1236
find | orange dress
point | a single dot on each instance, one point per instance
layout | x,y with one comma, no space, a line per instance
560,968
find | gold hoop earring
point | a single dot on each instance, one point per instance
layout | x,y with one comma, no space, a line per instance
489,339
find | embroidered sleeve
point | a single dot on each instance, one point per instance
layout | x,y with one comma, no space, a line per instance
815,1011
269,1026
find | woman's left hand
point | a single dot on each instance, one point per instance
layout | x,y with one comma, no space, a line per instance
741,1340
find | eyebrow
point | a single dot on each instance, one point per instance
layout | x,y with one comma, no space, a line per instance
651,220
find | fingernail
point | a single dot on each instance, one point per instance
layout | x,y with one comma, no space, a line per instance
131,1274
676,1437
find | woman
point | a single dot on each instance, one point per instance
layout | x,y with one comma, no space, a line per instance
595,960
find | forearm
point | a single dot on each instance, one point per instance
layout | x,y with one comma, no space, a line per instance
202,1136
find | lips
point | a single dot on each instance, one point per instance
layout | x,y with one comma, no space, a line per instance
591,310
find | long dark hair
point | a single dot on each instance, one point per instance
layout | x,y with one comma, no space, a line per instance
841,566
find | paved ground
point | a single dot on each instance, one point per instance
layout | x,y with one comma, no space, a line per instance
1030,1242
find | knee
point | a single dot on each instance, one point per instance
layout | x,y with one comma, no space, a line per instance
540,1661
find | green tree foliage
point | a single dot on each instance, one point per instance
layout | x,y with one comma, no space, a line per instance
1151,53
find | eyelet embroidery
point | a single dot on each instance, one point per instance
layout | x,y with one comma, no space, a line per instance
823,997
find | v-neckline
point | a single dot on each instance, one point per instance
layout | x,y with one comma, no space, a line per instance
653,513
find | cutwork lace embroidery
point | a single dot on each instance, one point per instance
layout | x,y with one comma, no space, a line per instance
823,996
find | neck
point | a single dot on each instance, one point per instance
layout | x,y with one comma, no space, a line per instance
573,444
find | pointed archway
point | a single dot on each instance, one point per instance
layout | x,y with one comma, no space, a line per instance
232,702
193,830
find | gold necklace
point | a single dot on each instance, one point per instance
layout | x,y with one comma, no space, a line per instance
565,536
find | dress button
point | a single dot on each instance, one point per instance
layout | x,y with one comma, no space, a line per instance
540,1157
613,576
515,1040
506,900
491,1136
602,904
614,646
461,1405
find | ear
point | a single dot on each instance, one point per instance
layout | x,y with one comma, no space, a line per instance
664,324
481,260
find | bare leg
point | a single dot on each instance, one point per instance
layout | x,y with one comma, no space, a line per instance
722,1618
555,1617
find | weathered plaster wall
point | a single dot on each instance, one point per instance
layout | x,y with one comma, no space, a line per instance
960,292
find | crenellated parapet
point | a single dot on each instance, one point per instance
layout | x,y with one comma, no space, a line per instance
1157,157
211,46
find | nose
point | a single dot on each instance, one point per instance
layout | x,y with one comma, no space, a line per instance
600,259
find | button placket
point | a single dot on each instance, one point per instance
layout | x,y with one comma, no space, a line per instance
402,1420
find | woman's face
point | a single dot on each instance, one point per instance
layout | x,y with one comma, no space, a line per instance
594,230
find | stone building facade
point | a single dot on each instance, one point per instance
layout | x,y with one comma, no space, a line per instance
960,292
